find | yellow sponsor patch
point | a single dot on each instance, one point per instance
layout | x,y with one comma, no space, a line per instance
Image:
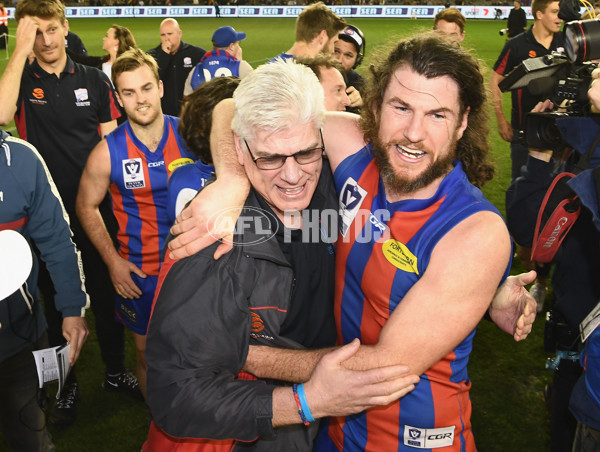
179,162
400,256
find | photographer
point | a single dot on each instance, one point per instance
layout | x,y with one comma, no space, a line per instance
577,263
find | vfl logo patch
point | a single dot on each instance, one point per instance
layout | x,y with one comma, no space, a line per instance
428,438
133,174
81,97
400,256
351,198
177,163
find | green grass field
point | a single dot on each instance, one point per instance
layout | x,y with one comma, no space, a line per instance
509,413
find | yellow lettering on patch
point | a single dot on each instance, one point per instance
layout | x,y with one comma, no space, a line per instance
179,162
400,256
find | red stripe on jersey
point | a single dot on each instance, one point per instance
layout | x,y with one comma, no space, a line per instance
502,66
20,122
149,222
344,244
386,435
115,113
451,398
171,151
122,220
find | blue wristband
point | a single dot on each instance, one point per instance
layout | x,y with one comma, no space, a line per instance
304,403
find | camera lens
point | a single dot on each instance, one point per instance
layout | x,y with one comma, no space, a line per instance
582,40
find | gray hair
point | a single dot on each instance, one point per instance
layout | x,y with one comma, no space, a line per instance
275,97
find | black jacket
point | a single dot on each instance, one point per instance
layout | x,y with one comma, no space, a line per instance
206,315
577,263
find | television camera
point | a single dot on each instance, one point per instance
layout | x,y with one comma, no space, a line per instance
563,77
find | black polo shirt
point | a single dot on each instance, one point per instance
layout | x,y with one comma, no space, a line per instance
61,118
515,51
309,320
173,71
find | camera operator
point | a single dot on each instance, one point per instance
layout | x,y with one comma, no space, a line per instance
577,263
585,398
541,39
517,20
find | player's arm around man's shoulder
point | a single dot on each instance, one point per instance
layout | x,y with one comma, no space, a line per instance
342,136
444,306
93,187
196,226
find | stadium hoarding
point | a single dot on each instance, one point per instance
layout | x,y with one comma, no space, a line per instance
347,11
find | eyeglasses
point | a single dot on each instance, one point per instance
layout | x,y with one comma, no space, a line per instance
273,162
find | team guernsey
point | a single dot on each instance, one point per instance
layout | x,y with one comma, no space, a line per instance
139,193
215,63
184,184
383,249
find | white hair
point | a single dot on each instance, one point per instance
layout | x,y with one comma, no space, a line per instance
275,97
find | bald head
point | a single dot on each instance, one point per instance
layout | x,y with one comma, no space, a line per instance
170,35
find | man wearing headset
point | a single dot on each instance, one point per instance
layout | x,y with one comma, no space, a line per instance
349,50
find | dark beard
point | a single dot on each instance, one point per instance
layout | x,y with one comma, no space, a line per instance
397,185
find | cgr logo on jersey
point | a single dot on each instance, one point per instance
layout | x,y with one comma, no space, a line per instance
351,198
428,438
187,62
133,174
81,97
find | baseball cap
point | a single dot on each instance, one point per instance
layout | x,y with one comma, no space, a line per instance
350,34
224,36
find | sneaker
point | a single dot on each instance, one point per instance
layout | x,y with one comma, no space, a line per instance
539,291
65,409
124,382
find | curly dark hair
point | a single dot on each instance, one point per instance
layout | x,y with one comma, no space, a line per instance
196,114
432,56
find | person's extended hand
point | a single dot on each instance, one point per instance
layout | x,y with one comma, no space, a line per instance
211,216
334,390
75,331
120,274
513,308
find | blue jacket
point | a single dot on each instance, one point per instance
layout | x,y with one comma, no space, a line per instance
30,204
585,398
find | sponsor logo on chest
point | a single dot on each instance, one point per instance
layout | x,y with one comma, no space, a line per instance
133,174
352,196
81,97
428,438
